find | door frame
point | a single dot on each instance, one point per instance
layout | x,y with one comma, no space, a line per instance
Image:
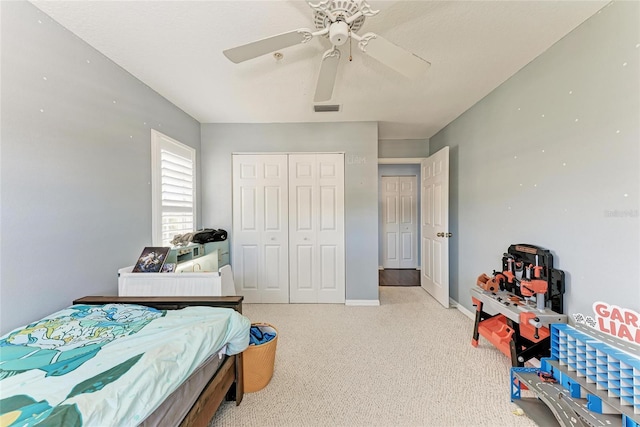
410,161
402,161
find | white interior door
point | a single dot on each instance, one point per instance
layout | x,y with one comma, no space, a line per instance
399,221
390,223
260,228
316,228
434,277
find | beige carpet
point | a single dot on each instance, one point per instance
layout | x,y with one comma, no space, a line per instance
408,362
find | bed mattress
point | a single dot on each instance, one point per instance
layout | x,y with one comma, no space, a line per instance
175,407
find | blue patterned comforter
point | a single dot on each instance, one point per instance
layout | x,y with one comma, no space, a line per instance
108,365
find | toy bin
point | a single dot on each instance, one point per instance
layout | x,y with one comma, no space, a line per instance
259,360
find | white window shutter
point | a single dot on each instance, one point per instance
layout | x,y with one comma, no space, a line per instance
173,188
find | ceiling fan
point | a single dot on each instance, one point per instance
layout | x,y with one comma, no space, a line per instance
338,20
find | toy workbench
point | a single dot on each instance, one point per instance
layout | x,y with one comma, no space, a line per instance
515,307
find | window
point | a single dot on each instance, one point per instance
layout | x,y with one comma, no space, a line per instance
173,186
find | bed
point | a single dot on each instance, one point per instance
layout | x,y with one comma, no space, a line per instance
125,361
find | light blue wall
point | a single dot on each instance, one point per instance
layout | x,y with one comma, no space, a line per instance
551,158
359,141
75,167
405,148
397,170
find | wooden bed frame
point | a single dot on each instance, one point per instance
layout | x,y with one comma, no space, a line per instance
227,381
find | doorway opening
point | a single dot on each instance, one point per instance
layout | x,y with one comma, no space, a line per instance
399,222
434,222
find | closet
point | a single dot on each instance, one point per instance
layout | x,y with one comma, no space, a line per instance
399,212
288,227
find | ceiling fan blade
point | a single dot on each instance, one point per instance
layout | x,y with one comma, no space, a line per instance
270,44
393,56
327,75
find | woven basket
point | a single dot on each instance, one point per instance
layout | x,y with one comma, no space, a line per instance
258,361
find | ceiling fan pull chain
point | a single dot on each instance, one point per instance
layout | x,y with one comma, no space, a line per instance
350,57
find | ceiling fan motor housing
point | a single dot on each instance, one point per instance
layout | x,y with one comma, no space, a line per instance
342,9
338,33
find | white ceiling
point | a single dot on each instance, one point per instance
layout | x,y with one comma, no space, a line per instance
175,47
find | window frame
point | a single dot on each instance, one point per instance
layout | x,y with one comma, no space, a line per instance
160,141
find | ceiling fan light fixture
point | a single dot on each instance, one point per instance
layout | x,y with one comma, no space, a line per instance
338,33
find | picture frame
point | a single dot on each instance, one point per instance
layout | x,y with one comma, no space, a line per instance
151,260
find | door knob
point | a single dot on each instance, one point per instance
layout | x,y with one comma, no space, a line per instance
440,234
448,235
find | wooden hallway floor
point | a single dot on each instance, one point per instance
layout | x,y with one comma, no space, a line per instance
405,277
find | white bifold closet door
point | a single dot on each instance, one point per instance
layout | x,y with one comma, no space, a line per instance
316,228
260,228
399,221
288,228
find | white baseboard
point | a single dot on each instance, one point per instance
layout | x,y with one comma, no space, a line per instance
380,267
462,309
363,302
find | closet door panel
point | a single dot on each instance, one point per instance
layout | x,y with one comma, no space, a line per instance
390,228
328,268
391,255
272,209
328,209
304,167
408,223
248,217
330,237
260,227
304,258
274,268
303,209
274,278
248,170
327,166
302,223
316,192
249,266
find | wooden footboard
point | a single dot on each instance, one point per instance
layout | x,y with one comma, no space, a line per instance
220,386
166,303
226,383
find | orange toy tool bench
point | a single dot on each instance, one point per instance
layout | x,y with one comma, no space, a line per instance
515,307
